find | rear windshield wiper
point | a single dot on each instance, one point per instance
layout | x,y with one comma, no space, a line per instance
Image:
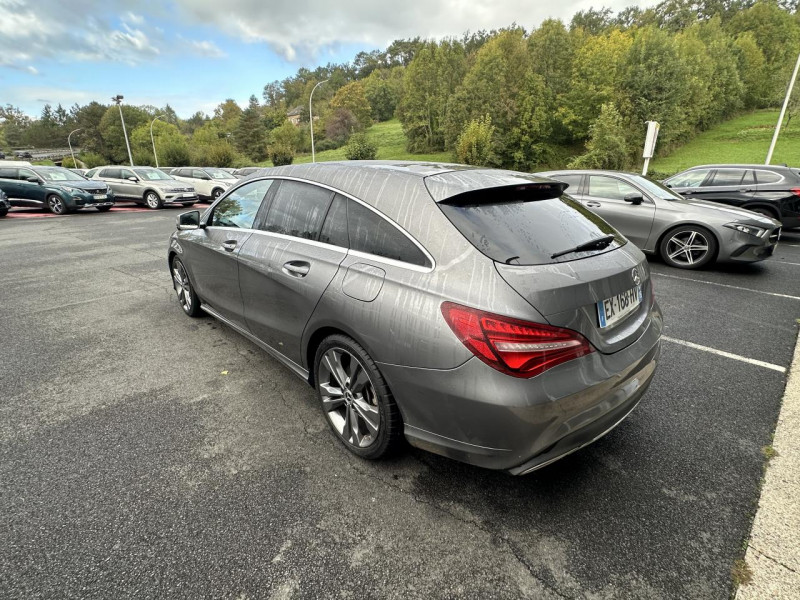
595,244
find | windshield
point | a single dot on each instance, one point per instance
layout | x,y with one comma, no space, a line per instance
59,174
152,175
654,188
219,174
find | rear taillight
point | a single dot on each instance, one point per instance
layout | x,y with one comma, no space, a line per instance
795,191
515,347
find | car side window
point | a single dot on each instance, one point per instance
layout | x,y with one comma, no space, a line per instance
610,188
198,174
574,182
767,177
240,207
25,173
690,179
728,177
6,173
334,230
89,174
371,233
298,210
125,173
111,173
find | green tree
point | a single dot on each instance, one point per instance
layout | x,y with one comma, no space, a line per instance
430,79
382,94
227,115
353,97
251,134
110,128
476,145
595,80
287,135
752,70
607,147
164,135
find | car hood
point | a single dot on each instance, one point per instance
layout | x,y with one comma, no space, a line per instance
169,184
723,212
89,185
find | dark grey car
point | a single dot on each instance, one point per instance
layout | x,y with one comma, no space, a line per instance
686,233
478,313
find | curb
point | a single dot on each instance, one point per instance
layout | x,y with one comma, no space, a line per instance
773,550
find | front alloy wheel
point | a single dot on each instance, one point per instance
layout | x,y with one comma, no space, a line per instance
152,200
688,247
56,205
216,194
356,401
183,288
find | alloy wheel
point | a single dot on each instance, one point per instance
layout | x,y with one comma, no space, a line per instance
688,247
348,398
183,288
152,200
55,204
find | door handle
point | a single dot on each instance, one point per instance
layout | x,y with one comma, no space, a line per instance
230,245
745,190
593,204
297,268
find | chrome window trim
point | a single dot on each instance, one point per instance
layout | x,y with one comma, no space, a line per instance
383,259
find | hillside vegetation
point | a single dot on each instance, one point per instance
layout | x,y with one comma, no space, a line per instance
744,139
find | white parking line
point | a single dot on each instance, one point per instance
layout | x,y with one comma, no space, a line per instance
751,361
733,287
781,262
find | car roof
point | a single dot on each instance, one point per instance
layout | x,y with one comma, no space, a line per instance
15,163
743,166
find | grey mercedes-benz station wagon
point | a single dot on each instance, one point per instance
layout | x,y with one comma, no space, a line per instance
478,313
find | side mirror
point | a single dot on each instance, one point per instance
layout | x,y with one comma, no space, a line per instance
669,185
34,180
634,198
133,179
189,220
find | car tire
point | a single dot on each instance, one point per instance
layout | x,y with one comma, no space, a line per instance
184,289
3,212
103,208
152,201
216,193
355,399
688,247
188,204
56,205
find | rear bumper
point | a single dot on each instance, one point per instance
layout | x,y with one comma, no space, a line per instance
480,416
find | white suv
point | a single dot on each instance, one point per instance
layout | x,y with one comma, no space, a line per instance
144,185
210,182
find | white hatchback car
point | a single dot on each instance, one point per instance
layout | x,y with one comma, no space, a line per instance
210,182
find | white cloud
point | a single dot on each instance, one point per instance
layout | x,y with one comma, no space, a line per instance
205,48
302,29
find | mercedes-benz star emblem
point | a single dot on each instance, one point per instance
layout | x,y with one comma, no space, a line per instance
636,277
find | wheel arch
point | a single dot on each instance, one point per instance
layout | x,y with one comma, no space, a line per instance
315,338
148,190
774,210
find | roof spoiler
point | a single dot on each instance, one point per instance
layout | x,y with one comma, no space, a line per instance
525,192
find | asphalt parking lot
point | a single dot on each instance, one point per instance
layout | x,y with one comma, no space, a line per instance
145,454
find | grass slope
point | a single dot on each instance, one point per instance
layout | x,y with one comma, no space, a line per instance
744,139
390,140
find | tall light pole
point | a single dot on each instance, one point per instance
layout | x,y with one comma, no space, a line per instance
152,140
311,119
74,164
783,111
118,101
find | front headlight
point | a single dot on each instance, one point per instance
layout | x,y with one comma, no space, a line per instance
72,190
108,189
748,229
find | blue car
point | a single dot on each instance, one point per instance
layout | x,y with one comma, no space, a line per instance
55,189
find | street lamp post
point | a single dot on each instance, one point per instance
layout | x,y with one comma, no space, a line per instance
74,164
118,101
152,140
311,119
783,111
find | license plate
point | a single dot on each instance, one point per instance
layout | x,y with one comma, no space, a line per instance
189,195
612,310
100,196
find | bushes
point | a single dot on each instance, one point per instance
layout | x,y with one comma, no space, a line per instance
174,152
339,125
92,160
218,154
281,154
475,145
68,163
359,148
607,147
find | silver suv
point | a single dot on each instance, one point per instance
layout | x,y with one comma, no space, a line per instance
145,185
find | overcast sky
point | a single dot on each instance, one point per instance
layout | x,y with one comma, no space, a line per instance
193,54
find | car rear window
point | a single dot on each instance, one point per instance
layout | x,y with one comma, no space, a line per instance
767,176
514,226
